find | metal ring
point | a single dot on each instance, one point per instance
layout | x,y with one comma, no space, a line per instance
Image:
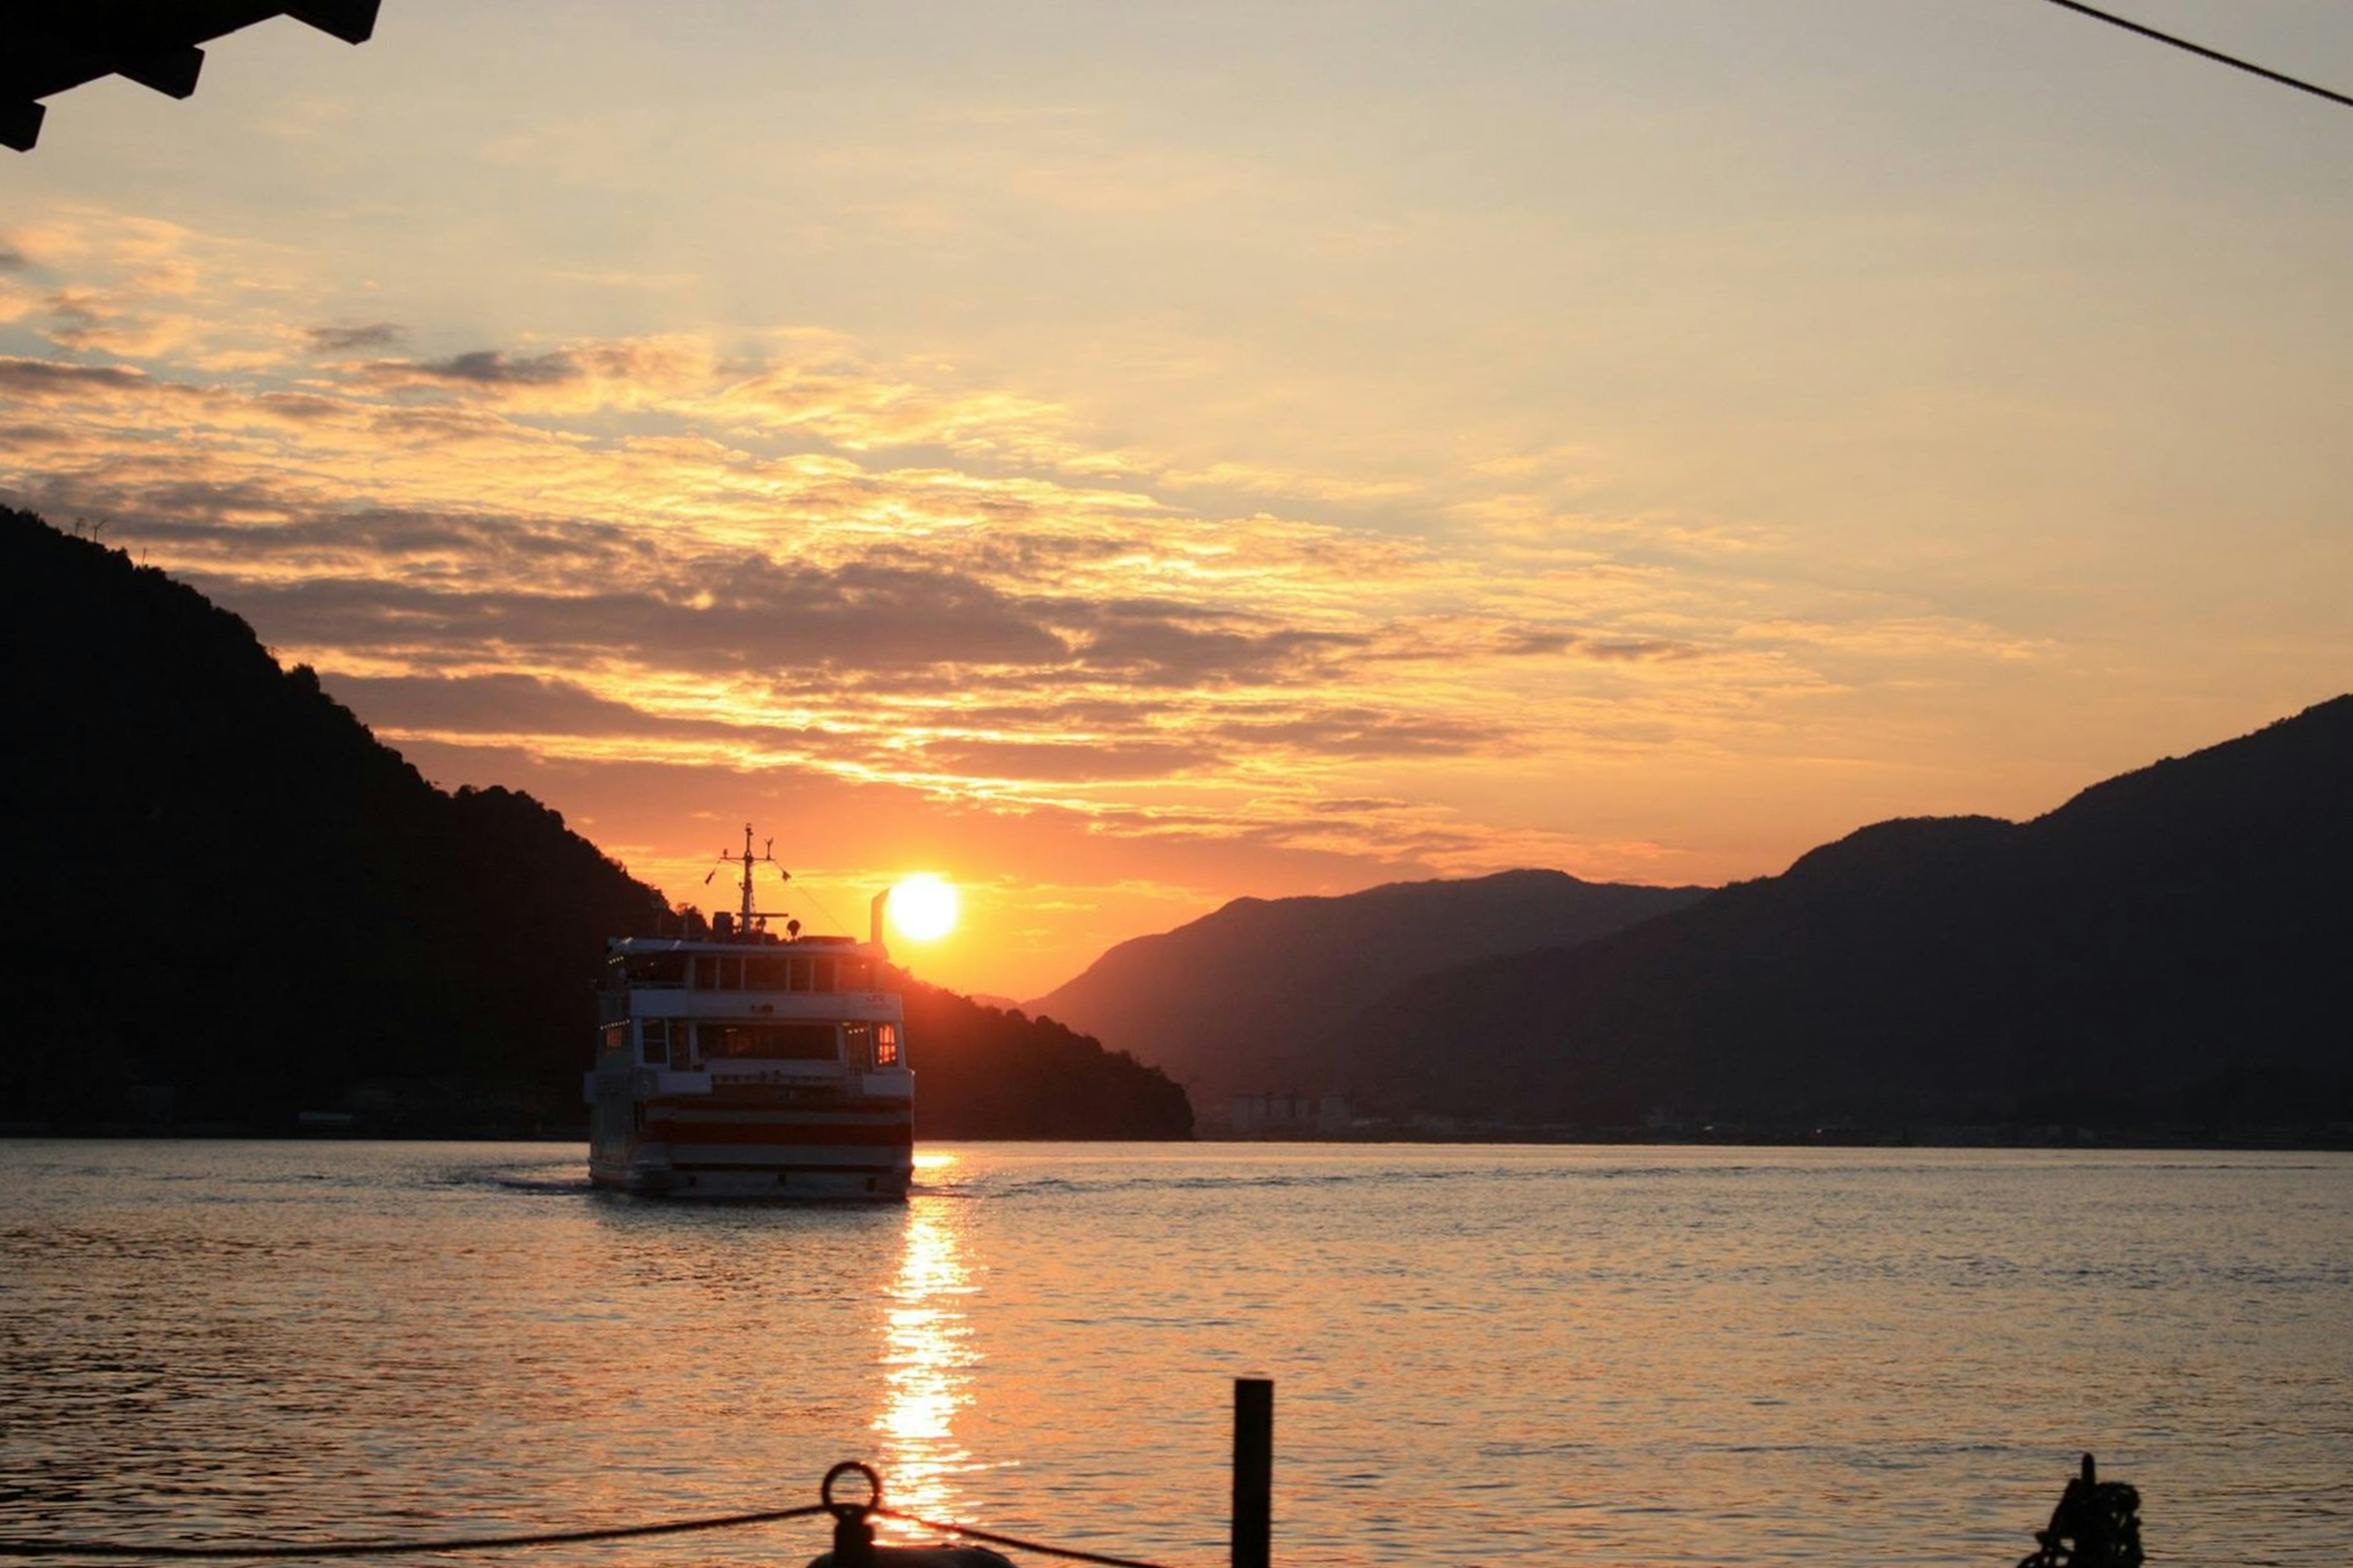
851,1467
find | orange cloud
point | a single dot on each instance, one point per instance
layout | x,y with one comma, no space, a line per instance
785,559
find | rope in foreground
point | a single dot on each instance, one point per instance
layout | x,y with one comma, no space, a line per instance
2097,1525
388,1546
847,1515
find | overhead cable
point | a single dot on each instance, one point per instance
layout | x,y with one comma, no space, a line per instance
2199,49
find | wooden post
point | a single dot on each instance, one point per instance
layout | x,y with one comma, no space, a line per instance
1253,1472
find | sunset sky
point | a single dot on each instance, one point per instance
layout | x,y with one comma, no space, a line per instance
1125,458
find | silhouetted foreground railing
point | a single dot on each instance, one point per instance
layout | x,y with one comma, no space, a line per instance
2095,1525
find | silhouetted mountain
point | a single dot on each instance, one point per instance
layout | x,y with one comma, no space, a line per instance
1228,1000
988,1072
222,901
2167,950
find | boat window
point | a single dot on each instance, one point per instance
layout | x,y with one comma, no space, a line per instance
656,969
858,1043
800,975
617,1038
718,972
771,1042
764,973
824,979
886,1045
856,975
657,1042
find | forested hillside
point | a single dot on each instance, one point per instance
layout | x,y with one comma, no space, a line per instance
223,901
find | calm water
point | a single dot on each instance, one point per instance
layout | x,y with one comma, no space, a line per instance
1603,1356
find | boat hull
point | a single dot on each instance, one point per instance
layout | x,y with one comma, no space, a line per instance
850,1153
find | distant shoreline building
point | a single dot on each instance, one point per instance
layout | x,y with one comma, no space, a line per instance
1290,1115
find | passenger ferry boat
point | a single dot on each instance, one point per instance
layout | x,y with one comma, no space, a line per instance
747,1065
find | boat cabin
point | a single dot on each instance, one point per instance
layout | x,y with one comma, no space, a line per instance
704,1007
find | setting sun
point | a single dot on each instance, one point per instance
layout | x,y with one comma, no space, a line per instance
923,908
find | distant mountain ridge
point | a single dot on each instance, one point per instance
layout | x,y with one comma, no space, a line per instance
1231,1001
2170,949
224,903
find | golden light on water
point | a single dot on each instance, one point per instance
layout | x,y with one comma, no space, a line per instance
926,1351
923,908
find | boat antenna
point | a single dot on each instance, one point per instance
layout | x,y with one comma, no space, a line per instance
748,861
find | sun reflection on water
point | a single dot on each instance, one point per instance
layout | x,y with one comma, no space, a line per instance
927,1352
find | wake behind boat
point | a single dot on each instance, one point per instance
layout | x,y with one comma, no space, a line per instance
746,1065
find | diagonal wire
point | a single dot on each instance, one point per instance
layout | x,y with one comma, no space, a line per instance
2215,54
1015,1541
831,918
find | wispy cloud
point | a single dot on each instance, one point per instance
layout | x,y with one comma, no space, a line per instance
343,339
486,367
786,557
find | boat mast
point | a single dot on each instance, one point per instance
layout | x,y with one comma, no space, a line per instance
747,860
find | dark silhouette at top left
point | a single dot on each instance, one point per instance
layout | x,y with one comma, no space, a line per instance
49,46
